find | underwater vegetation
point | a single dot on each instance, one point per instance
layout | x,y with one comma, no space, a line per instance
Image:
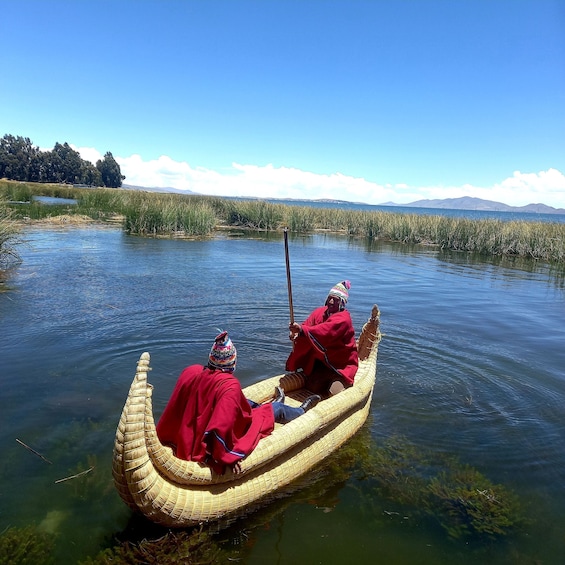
26,546
464,502
459,498
395,478
174,547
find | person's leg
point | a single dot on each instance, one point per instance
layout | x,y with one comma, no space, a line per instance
285,413
252,403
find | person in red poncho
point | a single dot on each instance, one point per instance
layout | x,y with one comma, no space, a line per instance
209,420
324,345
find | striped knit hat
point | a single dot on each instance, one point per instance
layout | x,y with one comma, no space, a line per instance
341,291
223,354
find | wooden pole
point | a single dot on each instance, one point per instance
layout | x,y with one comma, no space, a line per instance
289,284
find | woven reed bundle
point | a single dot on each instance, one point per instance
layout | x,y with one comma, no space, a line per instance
178,493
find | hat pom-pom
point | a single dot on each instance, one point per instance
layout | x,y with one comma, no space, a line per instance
221,338
347,284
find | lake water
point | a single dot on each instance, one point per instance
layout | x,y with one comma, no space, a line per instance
471,367
454,213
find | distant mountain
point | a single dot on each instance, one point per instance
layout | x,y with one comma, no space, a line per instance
471,203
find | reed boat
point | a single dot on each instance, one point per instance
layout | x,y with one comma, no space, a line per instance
177,493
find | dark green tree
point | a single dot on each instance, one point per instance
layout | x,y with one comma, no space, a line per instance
40,167
68,163
17,155
90,175
54,166
110,171
21,160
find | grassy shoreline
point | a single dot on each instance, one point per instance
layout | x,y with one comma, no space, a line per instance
178,215
9,231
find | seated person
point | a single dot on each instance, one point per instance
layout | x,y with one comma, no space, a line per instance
209,420
324,346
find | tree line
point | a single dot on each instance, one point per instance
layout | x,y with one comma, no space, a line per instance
21,160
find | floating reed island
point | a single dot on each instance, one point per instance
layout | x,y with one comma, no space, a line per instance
180,215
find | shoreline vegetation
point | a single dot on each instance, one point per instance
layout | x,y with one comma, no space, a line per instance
158,214
8,239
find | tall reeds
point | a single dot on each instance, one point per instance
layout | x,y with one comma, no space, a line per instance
252,214
153,213
8,238
168,214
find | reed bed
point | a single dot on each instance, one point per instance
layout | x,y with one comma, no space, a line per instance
252,214
8,238
169,215
16,191
163,214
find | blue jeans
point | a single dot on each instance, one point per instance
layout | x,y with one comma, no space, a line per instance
283,413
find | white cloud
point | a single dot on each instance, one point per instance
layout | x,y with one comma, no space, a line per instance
547,187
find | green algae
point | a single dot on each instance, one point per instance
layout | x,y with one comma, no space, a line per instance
26,546
463,501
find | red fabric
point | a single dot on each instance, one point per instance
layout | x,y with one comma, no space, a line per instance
329,340
208,419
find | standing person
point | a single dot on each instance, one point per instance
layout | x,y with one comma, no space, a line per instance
324,345
209,420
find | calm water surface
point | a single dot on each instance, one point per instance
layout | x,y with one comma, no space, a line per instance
471,366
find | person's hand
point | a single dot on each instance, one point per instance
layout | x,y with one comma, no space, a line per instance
295,329
236,468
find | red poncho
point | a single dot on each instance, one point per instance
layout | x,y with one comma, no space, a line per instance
208,419
328,339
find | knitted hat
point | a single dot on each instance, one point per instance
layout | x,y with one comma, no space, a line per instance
223,354
341,291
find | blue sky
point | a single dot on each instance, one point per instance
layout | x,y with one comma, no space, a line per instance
367,101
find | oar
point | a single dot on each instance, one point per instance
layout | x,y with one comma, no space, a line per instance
288,276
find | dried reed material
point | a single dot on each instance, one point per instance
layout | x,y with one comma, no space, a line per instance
74,476
33,451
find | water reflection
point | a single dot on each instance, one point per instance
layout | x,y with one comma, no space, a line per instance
504,265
